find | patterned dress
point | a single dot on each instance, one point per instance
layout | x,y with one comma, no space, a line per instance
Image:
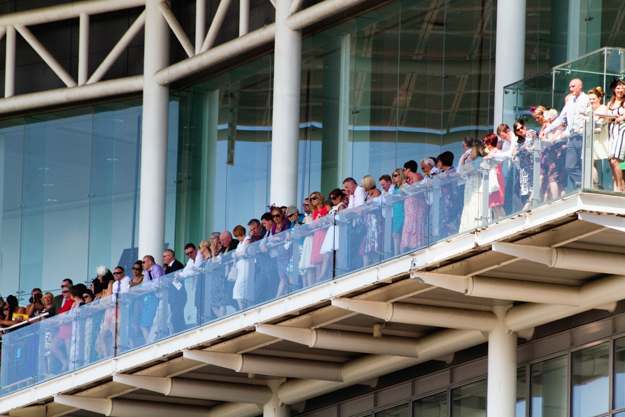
525,155
414,232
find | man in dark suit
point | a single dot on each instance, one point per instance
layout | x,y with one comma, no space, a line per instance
176,292
59,300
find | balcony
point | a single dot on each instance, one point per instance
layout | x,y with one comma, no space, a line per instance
448,228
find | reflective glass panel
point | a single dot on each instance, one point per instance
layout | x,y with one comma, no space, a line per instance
619,373
590,368
399,411
432,406
548,388
521,384
469,400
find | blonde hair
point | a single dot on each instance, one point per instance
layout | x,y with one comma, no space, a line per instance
321,201
402,177
538,111
205,243
367,182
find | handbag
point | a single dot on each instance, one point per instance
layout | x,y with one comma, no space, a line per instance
232,275
493,183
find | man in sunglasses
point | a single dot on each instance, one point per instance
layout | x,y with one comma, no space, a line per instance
59,300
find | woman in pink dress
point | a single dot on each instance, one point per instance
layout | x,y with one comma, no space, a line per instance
496,198
414,231
61,343
318,204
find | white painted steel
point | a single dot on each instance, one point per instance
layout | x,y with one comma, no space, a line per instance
217,54
295,6
592,295
244,17
45,55
344,341
286,109
274,407
503,289
9,67
566,258
153,191
71,95
198,389
453,318
200,24
318,12
501,383
608,220
66,11
509,50
235,410
83,49
117,50
130,408
176,28
363,369
268,365
220,15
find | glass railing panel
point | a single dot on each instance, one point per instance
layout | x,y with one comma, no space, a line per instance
446,204
93,333
20,358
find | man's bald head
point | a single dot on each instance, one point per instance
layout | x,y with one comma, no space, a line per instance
576,86
225,238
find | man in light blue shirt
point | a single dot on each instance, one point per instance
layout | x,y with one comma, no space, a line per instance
572,115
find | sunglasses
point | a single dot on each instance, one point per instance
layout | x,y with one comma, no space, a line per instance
137,269
65,292
118,273
276,216
189,253
313,198
395,175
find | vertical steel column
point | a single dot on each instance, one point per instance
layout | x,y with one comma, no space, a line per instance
244,17
273,408
502,344
83,50
286,107
510,49
154,135
9,76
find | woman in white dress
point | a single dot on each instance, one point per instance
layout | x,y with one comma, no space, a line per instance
601,139
617,132
331,241
243,290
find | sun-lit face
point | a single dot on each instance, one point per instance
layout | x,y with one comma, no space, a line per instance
619,91
594,101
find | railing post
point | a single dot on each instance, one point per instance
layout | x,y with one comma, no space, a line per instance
587,144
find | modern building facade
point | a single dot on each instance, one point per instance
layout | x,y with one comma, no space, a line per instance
132,126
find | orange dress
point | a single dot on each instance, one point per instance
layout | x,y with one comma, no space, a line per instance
318,237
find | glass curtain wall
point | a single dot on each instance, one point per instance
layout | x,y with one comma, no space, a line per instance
558,31
405,81
70,194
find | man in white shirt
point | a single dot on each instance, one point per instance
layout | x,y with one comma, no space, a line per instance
387,184
122,282
195,260
357,194
571,114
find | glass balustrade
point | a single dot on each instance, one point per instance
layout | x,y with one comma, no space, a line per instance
481,190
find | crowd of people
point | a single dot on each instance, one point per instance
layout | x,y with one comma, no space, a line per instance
288,249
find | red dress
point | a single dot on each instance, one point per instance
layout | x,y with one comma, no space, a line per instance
318,237
65,331
498,197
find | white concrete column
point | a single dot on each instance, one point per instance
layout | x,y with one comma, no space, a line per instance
510,49
153,187
502,345
286,106
273,408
